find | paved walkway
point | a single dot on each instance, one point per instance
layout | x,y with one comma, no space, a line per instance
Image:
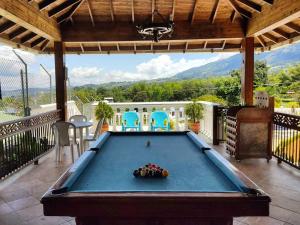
19,199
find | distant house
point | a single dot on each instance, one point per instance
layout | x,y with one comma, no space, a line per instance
11,111
109,99
290,92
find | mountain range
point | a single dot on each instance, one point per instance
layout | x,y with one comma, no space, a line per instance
276,59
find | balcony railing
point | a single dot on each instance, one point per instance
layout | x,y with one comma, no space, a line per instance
25,140
175,110
286,138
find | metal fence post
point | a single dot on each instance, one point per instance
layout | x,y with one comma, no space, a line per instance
23,91
50,77
27,108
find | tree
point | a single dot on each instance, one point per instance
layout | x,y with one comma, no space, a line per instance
260,73
140,96
229,89
212,98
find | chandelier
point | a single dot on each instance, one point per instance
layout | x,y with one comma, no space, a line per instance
156,30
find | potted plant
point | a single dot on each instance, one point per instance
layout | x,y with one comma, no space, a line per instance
194,112
105,112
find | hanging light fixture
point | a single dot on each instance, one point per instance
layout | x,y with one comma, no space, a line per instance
156,30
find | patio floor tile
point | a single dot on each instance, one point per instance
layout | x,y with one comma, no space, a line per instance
5,209
19,201
11,219
23,203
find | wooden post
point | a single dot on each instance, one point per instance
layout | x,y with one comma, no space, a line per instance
247,75
60,79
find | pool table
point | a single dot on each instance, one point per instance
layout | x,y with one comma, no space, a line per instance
202,187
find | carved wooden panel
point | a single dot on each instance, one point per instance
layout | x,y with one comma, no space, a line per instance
27,123
287,120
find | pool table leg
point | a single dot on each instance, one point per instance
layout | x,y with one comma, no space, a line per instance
188,221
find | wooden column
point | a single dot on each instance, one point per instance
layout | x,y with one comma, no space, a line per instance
60,79
247,75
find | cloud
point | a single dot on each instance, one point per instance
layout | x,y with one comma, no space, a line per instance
6,52
160,67
95,75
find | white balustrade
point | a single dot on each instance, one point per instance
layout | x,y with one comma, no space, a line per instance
174,109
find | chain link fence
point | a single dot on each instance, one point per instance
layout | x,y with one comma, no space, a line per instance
41,90
24,93
12,89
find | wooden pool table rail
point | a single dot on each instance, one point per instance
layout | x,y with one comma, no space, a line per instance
159,205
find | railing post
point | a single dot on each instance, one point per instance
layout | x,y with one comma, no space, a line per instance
177,118
114,121
215,125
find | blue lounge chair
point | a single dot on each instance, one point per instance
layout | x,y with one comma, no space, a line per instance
131,120
159,119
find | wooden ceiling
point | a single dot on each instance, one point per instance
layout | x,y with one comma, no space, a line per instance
108,26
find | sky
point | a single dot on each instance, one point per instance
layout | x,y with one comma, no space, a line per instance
97,69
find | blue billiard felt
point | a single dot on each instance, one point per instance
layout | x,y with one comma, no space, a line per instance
190,169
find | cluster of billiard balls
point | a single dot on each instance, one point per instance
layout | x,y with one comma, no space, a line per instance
151,170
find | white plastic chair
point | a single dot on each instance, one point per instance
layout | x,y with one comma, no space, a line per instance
93,137
79,118
62,138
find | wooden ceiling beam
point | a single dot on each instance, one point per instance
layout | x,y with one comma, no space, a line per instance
233,16
17,32
62,7
282,33
273,16
44,4
99,47
27,37
223,44
271,37
122,31
239,10
132,11
293,26
27,16
44,45
194,11
270,2
90,12
7,25
36,42
157,48
205,44
186,46
70,12
112,14
152,10
261,41
214,11
82,48
251,5
173,10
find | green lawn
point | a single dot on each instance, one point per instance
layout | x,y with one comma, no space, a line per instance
7,117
